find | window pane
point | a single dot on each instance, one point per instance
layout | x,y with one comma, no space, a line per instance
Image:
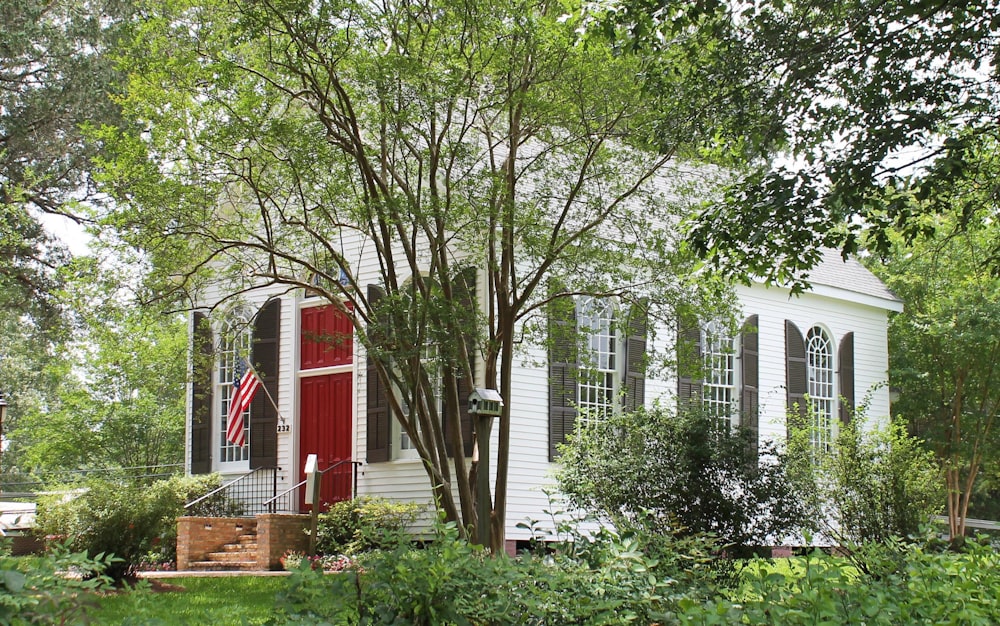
719,387
819,354
236,343
599,363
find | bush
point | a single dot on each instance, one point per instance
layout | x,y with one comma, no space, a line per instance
598,580
930,587
363,524
872,485
670,474
134,522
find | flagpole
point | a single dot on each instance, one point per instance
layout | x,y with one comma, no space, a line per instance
268,393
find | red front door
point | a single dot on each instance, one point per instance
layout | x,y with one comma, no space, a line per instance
326,431
326,400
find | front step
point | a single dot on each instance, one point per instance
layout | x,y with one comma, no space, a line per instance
240,555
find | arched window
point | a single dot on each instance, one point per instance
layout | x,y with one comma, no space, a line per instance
719,365
598,384
819,364
236,339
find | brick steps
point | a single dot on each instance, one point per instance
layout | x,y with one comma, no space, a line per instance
219,544
239,555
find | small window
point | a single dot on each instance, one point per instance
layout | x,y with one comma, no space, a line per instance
819,363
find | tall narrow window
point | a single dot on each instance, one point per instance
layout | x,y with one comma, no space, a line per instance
819,361
598,382
430,365
236,341
719,363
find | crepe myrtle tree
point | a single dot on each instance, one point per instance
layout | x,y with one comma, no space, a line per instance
405,160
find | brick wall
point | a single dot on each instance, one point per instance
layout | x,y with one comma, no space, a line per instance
278,533
197,536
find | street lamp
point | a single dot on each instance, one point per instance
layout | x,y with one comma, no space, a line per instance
485,404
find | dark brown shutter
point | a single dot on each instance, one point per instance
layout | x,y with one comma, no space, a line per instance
563,355
202,397
263,414
379,432
465,294
635,360
689,357
750,379
796,376
845,359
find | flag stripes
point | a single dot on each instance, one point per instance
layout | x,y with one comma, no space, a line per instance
245,385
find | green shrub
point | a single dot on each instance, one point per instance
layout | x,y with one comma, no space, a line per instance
600,580
705,479
189,488
930,587
123,519
872,485
37,590
364,523
135,522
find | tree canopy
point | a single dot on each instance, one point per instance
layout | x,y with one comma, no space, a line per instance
55,83
945,349
871,97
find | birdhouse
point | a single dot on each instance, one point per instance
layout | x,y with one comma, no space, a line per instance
486,402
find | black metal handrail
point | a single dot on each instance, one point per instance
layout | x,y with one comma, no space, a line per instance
285,498
241,497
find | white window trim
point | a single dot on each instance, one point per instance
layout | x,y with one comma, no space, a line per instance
602,357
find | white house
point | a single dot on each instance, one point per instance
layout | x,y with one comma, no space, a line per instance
829,342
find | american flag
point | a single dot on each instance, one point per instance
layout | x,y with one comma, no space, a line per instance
245,384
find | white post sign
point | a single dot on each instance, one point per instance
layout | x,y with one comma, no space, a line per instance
312,476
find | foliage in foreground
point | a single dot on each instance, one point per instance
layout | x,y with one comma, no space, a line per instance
39,591
598,580
916,584
609,579
706,479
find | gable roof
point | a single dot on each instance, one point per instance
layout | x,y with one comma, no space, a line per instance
850,275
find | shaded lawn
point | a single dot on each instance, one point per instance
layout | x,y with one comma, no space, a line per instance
222,601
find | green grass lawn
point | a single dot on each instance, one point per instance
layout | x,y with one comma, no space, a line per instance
225,601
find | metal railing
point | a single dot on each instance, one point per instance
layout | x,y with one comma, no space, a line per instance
341,474
243,497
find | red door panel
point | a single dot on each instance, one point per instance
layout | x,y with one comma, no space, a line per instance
327,338
326,407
